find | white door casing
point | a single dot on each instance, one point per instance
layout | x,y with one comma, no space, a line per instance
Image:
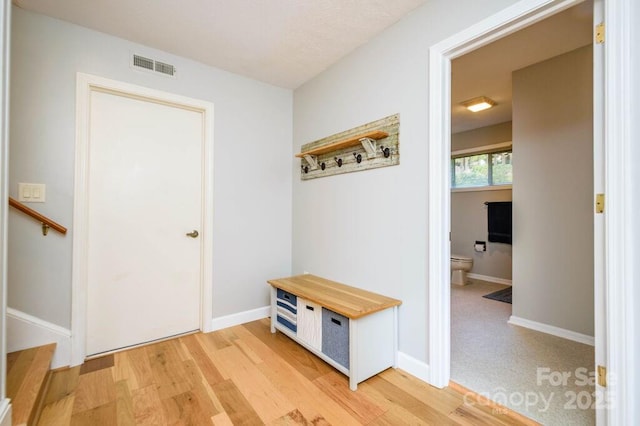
100,92
5,57
620,331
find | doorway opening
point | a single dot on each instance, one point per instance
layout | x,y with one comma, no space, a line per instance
493,346
513,19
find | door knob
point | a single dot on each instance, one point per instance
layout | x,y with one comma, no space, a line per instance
193,234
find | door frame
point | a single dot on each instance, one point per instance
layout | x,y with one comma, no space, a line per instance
85,85
616,262
5,57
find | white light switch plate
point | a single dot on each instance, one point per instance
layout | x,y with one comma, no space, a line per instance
31,192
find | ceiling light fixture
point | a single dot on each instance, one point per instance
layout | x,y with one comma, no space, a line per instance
478,104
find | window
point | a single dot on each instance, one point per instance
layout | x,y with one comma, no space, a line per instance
477,170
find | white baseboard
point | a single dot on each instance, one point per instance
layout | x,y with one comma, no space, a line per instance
413,366
555,331
26,331
5,412
490,279
240,318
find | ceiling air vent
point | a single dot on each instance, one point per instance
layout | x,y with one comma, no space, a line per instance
142,62
152,65
165,68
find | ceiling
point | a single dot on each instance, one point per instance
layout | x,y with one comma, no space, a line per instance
288,42
487,71
281,42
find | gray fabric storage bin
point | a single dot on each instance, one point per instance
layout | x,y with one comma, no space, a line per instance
335,337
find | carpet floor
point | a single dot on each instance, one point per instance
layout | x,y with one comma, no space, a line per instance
539,375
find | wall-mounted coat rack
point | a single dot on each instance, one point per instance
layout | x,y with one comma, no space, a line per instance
365,147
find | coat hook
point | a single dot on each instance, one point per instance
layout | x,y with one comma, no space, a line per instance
358,157
385,151
305,169
323,165
338,160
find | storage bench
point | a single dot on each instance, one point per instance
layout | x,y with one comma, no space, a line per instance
353,330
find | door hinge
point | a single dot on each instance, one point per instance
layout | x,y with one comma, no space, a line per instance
602,376
600,33
599,203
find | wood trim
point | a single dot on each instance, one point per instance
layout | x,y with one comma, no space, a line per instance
37,216
483,400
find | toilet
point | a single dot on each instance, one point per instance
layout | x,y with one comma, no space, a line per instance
460,265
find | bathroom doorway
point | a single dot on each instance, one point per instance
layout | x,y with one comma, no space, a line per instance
497,348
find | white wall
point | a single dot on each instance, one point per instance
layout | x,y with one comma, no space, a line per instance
635,177
469,213
369,229
552,192
252,150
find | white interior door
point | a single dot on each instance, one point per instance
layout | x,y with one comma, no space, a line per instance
145,195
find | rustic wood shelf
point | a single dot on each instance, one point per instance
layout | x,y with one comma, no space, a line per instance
345,143
365,147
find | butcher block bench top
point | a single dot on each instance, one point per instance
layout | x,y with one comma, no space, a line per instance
346,300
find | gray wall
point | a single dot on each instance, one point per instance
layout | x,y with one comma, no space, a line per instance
369,229
552,192
469,213
482,136
252,163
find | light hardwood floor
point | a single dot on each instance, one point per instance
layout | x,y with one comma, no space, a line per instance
26,378
246,375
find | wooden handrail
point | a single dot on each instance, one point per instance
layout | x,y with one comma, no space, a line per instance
46,222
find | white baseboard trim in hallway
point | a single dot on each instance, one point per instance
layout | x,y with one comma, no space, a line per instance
554,331
413,366
240,318
26,331
5,413
489,279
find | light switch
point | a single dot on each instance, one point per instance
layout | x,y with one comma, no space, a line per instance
31,192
